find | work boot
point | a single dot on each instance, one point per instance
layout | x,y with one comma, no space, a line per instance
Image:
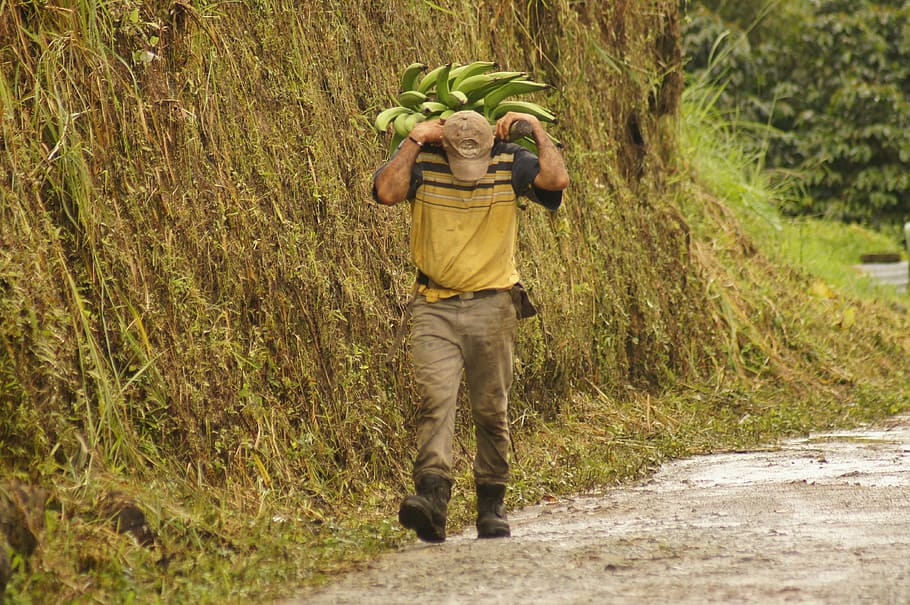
425,513
491,512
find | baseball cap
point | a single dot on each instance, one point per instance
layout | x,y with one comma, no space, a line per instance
467,138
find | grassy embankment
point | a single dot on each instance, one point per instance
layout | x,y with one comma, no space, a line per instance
196,298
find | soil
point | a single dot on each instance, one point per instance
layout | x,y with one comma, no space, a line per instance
819,520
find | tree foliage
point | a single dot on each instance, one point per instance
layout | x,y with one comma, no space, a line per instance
832,79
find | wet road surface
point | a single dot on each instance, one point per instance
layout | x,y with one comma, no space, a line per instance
892,274
820,520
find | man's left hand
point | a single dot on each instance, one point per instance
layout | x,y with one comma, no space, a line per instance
504,124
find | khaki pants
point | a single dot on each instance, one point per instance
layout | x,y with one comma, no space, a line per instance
476,337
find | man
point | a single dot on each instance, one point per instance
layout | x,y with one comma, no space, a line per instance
463,184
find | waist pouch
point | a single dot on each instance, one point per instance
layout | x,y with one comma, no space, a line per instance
522,301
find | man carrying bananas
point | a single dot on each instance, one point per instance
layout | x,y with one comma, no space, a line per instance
463,180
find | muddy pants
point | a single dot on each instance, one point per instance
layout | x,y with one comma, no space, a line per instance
476,337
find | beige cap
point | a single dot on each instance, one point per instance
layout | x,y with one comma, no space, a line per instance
468,138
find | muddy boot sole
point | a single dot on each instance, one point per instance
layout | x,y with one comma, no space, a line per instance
415,514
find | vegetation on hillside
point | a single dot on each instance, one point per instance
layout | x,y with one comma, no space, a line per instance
828,82
197,296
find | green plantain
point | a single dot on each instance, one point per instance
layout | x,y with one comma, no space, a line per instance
387,116
431,107
494,82
510,89
460,74
444,94
400,124
428,81
540,112
412,98
409,76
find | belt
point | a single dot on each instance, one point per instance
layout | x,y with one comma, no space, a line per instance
478,294
424,280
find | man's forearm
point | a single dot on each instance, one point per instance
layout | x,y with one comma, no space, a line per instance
394,181
553,175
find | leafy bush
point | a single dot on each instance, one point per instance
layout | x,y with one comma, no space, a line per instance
834,90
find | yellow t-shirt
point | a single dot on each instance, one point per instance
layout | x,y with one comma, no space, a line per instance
464,235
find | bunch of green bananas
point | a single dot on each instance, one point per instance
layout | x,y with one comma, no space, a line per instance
425,94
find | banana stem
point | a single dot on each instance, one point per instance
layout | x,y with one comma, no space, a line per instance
519,129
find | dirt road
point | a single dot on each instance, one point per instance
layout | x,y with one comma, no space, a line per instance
822,520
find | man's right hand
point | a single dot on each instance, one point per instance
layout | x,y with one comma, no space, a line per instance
394,181
428,132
